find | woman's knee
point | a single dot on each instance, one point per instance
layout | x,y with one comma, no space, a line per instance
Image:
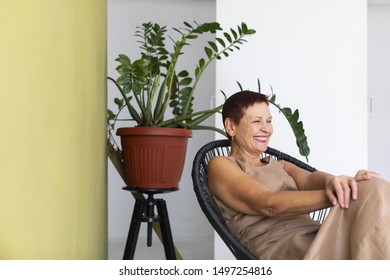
373,186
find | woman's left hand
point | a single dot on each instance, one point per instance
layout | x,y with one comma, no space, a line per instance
362,175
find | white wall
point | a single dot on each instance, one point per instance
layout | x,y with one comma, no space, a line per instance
187,220
379,86
313,53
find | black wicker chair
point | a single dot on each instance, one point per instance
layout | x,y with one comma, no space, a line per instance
208,204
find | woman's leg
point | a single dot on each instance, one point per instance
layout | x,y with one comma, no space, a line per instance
360,232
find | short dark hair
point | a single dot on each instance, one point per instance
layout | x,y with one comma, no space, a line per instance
237,103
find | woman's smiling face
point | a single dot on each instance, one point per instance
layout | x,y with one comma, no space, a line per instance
254,131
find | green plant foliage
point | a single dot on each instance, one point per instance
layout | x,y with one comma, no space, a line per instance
151,84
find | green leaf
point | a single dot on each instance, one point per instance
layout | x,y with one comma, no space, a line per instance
197,71
213,46
123,59
110,115
295,116
214,27
202,62
287,111
192,37
183,73
259,85
209,52
185,82
244,27
188,25
221,41
234,33
185,91
174,103
119,102
239,30
227,36
127,88
177,30
240,86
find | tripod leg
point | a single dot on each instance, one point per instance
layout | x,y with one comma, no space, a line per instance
135,224
151,202
169,247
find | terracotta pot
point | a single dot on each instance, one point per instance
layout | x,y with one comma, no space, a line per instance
153,157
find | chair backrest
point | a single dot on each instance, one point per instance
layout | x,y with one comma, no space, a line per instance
208,204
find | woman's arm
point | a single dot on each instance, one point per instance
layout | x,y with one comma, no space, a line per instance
241,192
339,189
306,180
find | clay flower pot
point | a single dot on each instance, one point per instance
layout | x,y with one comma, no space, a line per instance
153,157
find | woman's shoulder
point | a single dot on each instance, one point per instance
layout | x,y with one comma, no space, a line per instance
224,163
221,160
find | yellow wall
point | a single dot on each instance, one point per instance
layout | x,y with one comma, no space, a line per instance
53,196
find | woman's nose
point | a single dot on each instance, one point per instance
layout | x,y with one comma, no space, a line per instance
265,127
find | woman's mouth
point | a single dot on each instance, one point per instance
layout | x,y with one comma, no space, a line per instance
262,139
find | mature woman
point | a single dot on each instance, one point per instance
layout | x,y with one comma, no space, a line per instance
265,202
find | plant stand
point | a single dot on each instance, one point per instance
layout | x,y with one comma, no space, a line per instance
144,212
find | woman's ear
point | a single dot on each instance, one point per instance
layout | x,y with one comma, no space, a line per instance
229,127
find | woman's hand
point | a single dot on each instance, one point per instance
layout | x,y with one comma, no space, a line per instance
341,189
362,175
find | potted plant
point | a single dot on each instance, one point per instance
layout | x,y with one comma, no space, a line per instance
151,86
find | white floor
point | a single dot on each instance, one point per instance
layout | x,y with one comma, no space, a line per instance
190,249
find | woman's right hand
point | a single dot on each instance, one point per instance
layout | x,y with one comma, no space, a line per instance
341,189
